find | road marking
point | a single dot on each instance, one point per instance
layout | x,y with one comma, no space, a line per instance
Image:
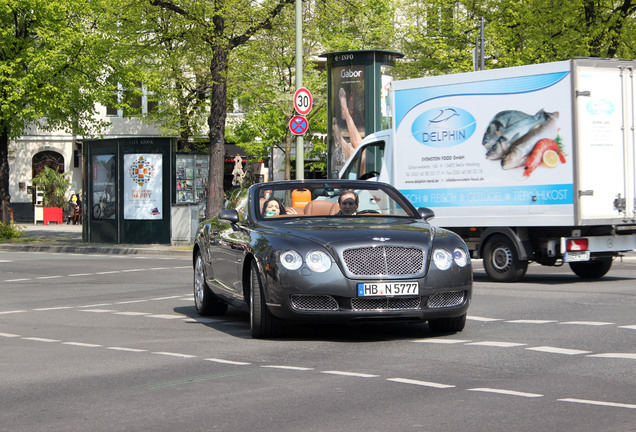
631,327
165,298
238,363
12,312
531,321
95,305
593,402
80,274
630,356
296,368
38,339
132,270
99,310
482,319
497,344
587,323
352,374
132,313
18,280
202,320
131,301
48,277
53,308
420,383
441,341
159,268
82,344
9,335
173,354
164,316
136,350
506,392
555,350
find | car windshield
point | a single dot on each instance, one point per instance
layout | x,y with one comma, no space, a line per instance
329,198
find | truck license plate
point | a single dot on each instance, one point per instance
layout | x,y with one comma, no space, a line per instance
370,289
577,256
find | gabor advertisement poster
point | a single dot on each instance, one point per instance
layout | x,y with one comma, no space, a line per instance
143,186
498,142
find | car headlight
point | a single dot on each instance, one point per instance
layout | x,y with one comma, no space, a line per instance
291,260
318,261
460,257
442,259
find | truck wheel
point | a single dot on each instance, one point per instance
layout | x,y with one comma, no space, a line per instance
501,260
592,269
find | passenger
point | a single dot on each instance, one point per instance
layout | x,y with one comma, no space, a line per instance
348,202
273,207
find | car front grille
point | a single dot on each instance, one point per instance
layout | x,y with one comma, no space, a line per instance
314,302
445,299
384,261
386,303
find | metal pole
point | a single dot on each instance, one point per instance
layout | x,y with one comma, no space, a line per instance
481,45
300,142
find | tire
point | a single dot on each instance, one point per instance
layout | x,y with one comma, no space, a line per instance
447,325
592,269
205,302
263,324
501,260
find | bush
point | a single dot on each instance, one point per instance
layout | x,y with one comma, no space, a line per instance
54,186
10,231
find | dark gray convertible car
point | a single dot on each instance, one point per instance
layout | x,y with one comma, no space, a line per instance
330,251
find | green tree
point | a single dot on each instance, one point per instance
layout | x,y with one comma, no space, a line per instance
54,186
53,64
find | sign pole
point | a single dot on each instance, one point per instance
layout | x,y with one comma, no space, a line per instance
300,144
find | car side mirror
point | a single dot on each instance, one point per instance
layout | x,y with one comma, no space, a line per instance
426,213
231,216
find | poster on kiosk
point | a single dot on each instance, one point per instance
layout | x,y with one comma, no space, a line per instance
143,186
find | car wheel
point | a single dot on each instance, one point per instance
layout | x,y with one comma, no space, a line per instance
501,260
591,269
446,325
262,323
205,301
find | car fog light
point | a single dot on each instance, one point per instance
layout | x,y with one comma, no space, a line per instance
291,260
318,261
460,257
442,259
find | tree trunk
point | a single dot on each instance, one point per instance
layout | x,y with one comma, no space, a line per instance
4,176
216,122
288,145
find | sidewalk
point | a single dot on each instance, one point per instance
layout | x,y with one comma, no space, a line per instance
68,239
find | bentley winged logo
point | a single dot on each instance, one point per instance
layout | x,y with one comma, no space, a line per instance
382,239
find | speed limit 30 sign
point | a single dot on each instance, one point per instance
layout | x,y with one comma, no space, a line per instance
302,101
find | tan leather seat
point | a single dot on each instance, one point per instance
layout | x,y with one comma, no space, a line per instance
320,208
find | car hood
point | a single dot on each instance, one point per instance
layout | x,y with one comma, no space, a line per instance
362,232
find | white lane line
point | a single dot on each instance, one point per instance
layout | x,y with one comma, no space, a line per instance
218,360
630,356
132,313
506,392
173,354
108,272
38,339
80,274
352,374
53,308
132,270
182,267
555,350
601,403
531,321
630,327
442,341
12,312
587,323
202,320
165,298
49,277
95,305
82,344
130,302
497,344
296,368
9,335
136,350
160,316
99,310
18,280
159,268
482,319
420,383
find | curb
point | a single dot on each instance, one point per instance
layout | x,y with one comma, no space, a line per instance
104,249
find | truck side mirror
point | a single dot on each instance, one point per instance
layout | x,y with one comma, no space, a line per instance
333,174
426,213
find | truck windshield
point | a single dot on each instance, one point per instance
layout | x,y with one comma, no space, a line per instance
366,164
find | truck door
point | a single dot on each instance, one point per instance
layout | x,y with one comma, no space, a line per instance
605,130
365,164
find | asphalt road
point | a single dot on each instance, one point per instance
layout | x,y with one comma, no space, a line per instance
112,343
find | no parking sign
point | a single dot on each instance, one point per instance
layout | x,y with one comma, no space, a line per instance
298,125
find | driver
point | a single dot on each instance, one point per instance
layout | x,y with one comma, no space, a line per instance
348,202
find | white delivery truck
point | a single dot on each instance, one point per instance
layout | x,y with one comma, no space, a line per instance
530,163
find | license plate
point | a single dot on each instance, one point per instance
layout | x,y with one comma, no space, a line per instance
370,289
577,256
